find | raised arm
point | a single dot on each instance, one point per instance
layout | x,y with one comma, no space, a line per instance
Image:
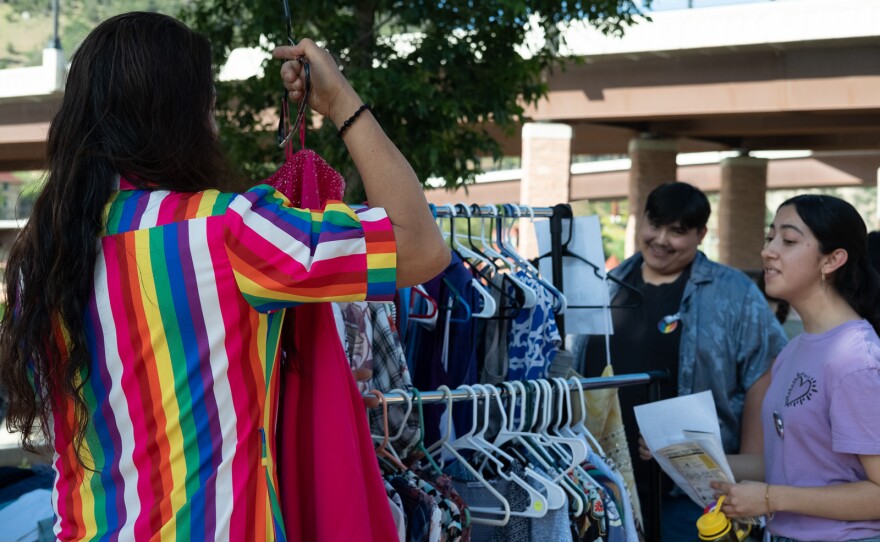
389,180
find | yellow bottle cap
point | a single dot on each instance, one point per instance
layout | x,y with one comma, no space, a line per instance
713,524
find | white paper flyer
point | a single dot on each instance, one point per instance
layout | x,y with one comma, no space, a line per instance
684,436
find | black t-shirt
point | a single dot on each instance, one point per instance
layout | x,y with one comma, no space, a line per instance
645,338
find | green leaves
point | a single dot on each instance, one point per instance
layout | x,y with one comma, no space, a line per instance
435,72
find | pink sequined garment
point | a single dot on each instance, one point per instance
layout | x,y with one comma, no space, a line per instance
325,452
328,184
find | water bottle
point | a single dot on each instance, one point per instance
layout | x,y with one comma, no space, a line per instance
714,526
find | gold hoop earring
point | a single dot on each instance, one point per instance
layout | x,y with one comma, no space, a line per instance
823,277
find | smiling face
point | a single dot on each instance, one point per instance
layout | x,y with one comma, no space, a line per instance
669,248
792,258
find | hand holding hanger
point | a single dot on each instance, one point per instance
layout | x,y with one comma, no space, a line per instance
388,178
326,91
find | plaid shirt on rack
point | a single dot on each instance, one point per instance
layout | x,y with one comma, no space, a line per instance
390,372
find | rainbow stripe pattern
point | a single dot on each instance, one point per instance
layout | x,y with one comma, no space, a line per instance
183,325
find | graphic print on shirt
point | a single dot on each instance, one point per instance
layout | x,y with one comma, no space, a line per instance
801,390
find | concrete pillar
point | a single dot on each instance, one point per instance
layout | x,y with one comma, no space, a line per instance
742,212
546,173
653,163
55,69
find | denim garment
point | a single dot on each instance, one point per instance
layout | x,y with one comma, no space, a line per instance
729,337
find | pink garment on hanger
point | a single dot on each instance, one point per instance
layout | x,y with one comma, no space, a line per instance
304,164
330,485
305,178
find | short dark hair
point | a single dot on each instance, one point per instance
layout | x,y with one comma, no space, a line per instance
678,202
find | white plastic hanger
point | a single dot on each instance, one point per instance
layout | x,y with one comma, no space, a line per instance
559,300
490,306
573,451
538,505
504,511
532,441
409,406
568,429
554,493
581,473
581,425
564,422
488,248
444,435
463,249
530,297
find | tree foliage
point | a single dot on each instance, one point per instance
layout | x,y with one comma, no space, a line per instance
77,19
436,72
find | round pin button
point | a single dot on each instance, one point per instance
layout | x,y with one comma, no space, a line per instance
777,422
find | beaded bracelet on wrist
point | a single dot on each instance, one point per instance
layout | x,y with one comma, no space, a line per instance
347,124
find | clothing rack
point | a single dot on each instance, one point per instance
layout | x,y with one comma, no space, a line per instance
583,383
556,214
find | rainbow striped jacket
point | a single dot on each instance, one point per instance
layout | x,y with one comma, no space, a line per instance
190,291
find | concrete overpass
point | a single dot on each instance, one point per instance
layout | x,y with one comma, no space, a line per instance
735,83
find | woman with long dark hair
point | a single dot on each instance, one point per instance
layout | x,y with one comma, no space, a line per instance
146,299
821,459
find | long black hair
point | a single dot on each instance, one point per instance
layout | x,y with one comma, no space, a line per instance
138,102
837,225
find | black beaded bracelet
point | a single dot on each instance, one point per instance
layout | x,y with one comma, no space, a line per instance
351,119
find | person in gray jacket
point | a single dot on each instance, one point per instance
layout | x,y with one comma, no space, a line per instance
707,324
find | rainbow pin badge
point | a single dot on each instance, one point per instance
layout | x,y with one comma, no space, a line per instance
669,323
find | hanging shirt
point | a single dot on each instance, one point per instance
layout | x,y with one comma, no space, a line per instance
533,335
183,332
447,354
390,372
359,341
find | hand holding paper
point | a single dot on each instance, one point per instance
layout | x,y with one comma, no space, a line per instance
685,439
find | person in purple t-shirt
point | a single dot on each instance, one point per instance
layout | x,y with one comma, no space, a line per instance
821,413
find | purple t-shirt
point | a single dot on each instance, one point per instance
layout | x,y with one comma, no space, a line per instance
820,411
